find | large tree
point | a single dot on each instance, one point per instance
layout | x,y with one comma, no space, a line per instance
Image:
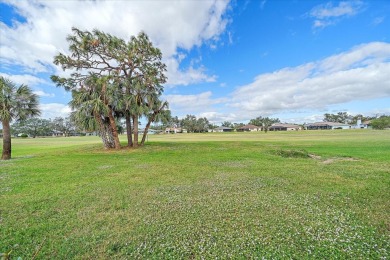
133,71
93,110
189,123
227,124
195,125
16,103
64,125
340,117
33,127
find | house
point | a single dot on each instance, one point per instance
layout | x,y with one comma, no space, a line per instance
154,132
327,125
249,128
362,125
56,133
223,129
367,124
173,130
284,127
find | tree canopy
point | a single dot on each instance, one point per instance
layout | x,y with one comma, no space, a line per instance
112,79
381,122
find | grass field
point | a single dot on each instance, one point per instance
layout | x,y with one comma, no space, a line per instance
300,195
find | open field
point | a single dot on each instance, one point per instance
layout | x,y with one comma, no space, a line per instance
301,195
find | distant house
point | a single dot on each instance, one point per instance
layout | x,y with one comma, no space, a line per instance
249,128
223,129
284,127
327,126
367,124
153,131
56,133
173,130
150,131
362,125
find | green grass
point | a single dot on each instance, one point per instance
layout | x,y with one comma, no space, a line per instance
301,195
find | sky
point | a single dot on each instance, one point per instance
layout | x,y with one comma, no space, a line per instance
226,60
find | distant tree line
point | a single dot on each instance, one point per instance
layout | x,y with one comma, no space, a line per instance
34,127
377,122
191,123
199,125
344,117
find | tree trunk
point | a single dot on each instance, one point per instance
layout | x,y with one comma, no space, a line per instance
135,126
114,130
104,134
6,155
146,130
108,132
128,130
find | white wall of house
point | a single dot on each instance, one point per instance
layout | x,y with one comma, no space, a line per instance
341,126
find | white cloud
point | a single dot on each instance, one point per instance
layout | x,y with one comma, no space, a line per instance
52,110
43,93
190,104
328,14
322,24
378,20
359,74
185,77
25,79
342,9
170,24
359,56
218,118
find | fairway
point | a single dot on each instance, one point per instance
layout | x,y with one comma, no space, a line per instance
280,195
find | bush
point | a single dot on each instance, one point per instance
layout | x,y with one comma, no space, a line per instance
24,135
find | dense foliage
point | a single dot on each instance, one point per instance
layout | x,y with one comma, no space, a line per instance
112,79
381,122
34,127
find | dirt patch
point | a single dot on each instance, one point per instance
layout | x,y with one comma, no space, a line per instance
339,159
332,159
315,157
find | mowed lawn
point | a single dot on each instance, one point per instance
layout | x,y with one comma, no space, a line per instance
300,195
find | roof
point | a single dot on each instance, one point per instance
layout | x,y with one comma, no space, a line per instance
223,128
249,127
173,129
327,123
276,125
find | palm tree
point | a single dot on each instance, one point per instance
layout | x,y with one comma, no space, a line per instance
93,110
16,103
157,111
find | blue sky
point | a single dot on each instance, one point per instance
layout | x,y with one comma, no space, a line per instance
227,60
